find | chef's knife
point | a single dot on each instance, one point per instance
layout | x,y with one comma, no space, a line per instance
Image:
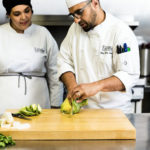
21,116
71,112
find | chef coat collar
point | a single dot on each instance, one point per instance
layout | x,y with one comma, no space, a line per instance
104,24
27,31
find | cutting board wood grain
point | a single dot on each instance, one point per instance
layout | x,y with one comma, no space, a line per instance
88,124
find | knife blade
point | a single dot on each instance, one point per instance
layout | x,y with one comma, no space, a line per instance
21,116
71,112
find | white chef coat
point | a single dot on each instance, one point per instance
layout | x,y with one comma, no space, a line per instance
32,53
93,56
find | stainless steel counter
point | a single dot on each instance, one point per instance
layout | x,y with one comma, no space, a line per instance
142,142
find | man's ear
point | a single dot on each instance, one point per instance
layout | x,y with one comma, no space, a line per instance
95,3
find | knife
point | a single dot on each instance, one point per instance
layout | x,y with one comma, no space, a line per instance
21,116
71,112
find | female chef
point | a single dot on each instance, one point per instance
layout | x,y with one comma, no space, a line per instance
28,55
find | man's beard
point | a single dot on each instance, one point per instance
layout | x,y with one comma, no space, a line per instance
89,25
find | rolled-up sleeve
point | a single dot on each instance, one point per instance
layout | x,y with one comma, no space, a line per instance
127,79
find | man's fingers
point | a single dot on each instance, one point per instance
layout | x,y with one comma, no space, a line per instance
77,95
81,99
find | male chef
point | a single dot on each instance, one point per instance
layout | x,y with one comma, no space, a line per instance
99,58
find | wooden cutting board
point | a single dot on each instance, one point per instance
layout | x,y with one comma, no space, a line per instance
88,124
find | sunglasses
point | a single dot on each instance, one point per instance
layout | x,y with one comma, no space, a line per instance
78,13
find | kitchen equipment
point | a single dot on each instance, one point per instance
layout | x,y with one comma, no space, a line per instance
88,124
145,59
137,98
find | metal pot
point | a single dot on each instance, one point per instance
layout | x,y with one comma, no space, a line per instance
145,61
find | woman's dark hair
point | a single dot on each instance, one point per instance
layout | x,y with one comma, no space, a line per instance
9,4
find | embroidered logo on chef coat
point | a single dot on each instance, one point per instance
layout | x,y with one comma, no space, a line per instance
39,50
106,50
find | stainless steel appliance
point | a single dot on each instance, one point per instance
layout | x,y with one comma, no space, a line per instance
145,59
145,75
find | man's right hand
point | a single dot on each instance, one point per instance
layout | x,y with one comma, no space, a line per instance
83,91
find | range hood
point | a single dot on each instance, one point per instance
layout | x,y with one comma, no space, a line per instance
62,20
52,20
65,20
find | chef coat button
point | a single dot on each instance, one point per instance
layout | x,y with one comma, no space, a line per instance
125,62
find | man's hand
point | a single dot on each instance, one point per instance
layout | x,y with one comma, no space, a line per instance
83,91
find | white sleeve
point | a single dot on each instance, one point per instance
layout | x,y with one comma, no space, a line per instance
127,64
65,62
55,86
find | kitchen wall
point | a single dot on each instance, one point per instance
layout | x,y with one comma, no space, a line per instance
139,9
129,10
